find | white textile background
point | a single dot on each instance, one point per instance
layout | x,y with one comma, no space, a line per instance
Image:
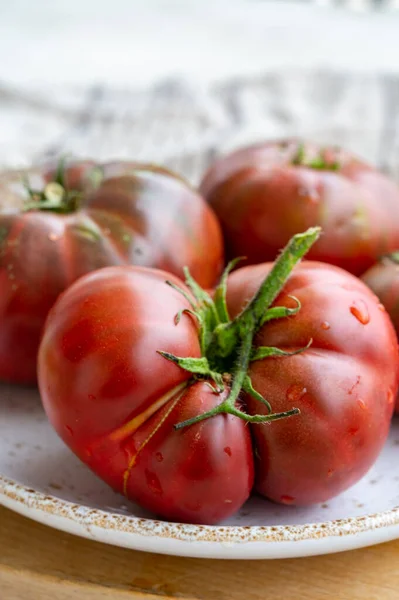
175,81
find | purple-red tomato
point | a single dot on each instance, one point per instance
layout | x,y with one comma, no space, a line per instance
265,193
114,400
86,217
322,345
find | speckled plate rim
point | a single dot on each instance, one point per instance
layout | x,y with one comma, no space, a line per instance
230,542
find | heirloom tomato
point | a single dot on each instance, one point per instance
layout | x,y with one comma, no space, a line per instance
265,193
84,217
167,393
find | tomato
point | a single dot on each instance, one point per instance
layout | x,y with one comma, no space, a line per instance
265,193
383,279
127,384
112,214
114,400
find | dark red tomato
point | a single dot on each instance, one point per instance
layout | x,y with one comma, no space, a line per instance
383,279
113,214
265,193
345,384
114,400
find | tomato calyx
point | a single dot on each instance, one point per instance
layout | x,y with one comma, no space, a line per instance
392,257
319,162
56,196
227,346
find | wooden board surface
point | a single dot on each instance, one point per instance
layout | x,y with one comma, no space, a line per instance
39,563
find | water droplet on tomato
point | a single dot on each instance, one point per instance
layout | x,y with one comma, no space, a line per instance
159,457
330,472
362,404
53,237
153,482
92,397
69,430
325,325
381,307
227,450
295,392
390,397
360,311
287,499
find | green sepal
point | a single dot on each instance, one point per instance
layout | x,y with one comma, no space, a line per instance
183,292
280,312
221,290
249,389
196,366
192,313
227,345
262,352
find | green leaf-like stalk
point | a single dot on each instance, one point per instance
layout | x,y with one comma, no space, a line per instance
227,345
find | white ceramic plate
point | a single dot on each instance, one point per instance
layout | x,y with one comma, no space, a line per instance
41,479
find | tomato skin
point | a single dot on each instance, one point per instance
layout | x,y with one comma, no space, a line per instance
383,280
200,474
139,214
262,200
99,350
99,369
345,384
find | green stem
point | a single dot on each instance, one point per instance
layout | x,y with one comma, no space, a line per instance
228,406
296,248
228,335
227,346
236,412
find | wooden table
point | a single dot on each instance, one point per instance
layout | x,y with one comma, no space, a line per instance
39,563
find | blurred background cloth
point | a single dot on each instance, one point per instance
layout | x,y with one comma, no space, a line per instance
175,81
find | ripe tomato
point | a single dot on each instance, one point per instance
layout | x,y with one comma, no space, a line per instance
113,399
91,217
313,339
383,279
265,193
